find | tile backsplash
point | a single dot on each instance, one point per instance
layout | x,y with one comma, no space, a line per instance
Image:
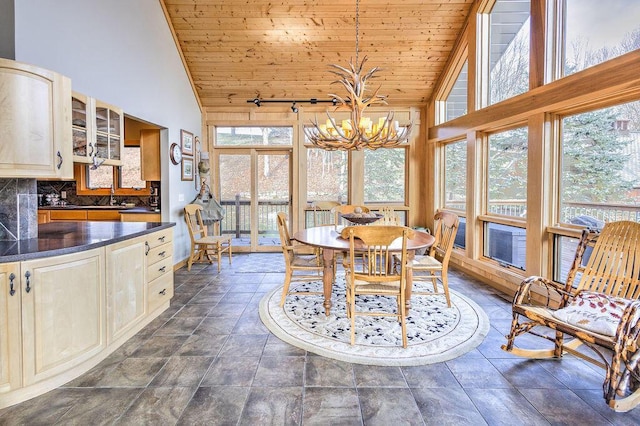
18,209
57,187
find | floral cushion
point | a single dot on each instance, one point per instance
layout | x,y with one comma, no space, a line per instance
594,312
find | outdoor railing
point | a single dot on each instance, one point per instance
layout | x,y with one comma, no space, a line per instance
237,216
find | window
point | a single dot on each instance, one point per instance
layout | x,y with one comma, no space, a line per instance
507,173
456,103
327,175
596,31
600,177
508,55
455,176
254,136
505,244
130,172
384,172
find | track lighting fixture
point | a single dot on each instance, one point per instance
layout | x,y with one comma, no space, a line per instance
313,101
256,101
294,108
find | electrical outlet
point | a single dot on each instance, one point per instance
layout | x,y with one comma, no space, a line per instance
180,197
63,195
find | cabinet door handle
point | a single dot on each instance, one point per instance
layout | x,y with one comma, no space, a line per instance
12,277
163,292
161,239
146,251
59,160
162,253
27,275
164,268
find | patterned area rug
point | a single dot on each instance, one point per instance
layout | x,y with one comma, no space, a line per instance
435,332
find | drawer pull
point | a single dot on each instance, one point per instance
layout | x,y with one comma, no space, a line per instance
163,292
59,160
12,277
162,253
161,239
27,275
164,268
147,248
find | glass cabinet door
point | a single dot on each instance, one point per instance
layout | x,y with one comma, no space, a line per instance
79,126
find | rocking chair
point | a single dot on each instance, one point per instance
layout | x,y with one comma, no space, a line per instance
598,307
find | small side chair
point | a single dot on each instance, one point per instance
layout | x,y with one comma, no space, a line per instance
204,247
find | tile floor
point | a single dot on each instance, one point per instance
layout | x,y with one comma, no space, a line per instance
209,360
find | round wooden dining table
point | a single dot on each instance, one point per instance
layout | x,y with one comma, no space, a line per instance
328,238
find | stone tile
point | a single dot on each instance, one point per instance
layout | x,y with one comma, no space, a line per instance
377,376
43,410
250,325
160,346
215,406
388,406
280,371
273,405
158,406
477,374
505,406
526,373
446,406
178,327
430,376
228,309
100,406
276,347
231,371
331,406
595,400
244,345
218,325
195,311
236,297
182,371
202,343
574,373
326,372
562,406
132,372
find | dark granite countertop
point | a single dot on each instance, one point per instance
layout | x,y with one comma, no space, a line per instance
120,209
59,238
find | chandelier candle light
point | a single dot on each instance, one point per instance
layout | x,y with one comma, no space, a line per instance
359,131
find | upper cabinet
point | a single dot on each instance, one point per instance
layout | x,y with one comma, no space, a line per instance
98,130
35,122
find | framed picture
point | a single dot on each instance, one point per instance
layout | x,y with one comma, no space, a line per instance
187,142
187,168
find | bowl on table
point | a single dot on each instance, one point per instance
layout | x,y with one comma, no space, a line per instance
362,218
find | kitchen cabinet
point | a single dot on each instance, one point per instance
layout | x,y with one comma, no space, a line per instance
10,329
140,217
35,118
63,317
126,301
150,154
67,215
98,131
43,216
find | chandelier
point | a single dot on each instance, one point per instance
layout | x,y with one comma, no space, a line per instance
359,131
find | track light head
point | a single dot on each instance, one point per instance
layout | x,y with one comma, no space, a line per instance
334,101
257,102
294,108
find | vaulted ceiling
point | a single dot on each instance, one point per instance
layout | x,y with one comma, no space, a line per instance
236,50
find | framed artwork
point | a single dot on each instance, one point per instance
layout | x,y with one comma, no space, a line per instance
187,168
187,142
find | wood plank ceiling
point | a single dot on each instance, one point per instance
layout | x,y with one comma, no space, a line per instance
236,50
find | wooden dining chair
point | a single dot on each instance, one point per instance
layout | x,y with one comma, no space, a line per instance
323,214
378,277
389,217
338,211
433,266
204,247
298,267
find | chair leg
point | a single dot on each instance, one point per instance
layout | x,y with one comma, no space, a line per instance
285,288
403,320
219,250
445,286
352,308
229,250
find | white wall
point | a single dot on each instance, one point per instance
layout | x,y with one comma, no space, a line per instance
121,52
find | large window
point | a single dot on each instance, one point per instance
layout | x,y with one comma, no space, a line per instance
508,54
384,174
596,31
507,173
455,176
254,136
327,175
600,178
456,103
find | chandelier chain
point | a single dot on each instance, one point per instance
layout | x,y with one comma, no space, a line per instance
357,29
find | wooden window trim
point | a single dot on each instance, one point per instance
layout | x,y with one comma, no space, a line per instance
80,175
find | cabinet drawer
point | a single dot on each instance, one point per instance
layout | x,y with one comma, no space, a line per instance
160,291
159,268
108,215
158,238
159,253
67,215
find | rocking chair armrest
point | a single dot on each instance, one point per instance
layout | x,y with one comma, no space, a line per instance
551,288
628,329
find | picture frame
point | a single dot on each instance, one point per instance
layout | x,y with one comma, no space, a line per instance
187,168
186,139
